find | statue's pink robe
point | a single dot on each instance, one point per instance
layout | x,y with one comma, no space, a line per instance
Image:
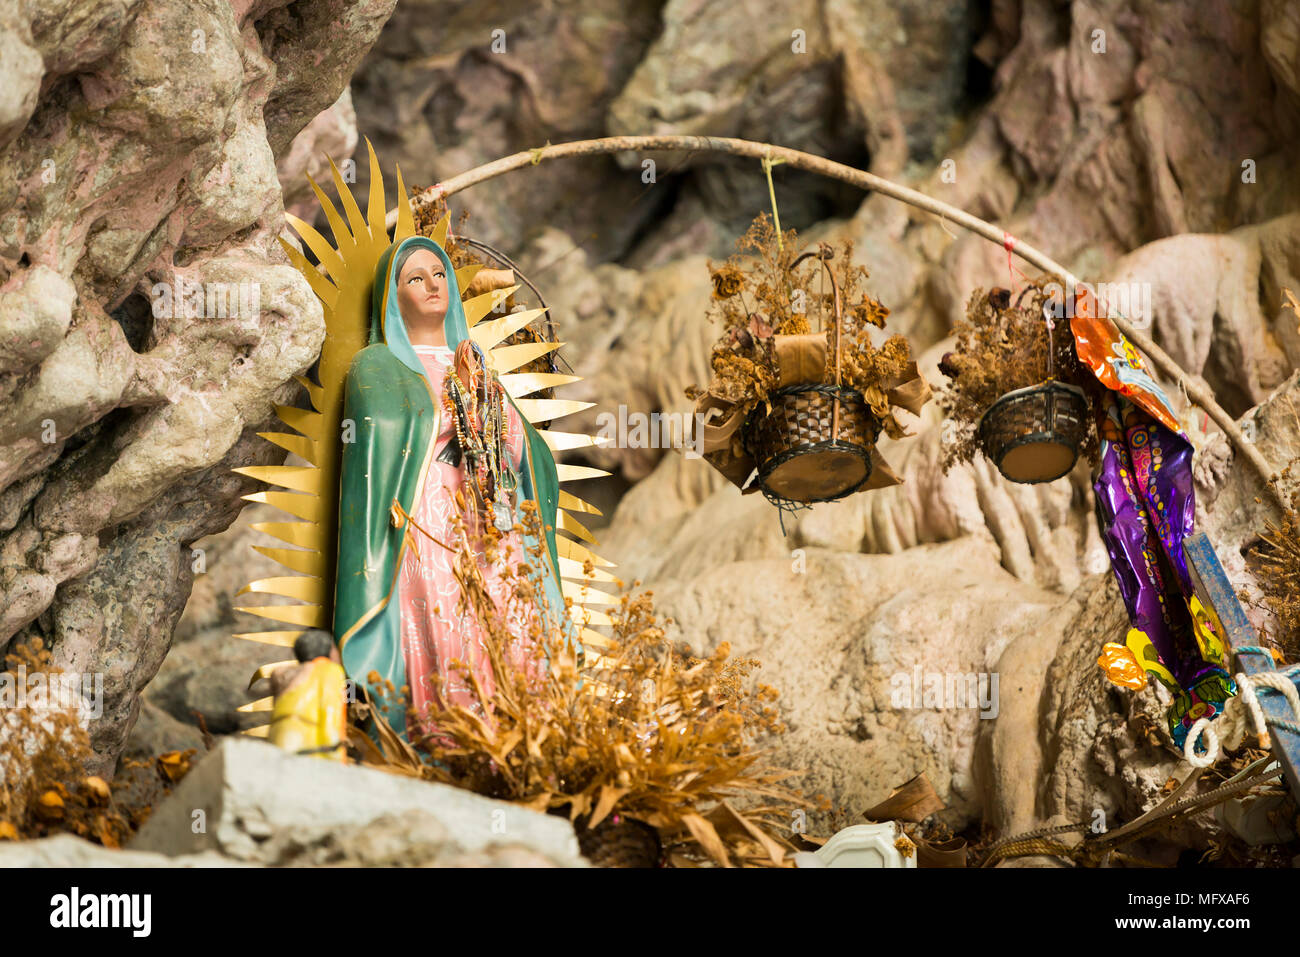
435,629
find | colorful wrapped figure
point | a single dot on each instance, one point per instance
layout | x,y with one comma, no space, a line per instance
1145,511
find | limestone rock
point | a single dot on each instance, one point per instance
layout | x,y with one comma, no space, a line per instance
67,850
447,88
148,319
156,732
845,638
262,805
331,135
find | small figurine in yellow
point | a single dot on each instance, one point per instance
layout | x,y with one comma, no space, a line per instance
310,711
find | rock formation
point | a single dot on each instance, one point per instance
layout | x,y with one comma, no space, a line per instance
148,319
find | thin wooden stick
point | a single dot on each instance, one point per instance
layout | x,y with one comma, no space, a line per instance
1197,392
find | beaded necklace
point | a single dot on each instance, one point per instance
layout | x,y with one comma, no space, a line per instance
483,435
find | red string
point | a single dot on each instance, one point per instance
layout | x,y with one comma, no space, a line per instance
1009,243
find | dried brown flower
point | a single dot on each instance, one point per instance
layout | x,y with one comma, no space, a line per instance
1275,562
759,292
43,753
727,281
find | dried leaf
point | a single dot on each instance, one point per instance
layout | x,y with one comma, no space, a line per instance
174,765
775,852
913,802
643,731
609,796
705,833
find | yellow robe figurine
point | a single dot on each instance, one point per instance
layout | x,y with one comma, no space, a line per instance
310,711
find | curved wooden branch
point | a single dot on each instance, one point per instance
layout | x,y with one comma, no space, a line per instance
1198,392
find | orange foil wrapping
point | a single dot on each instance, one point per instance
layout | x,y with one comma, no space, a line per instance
1121,666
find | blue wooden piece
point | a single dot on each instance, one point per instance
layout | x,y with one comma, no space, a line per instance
1220,598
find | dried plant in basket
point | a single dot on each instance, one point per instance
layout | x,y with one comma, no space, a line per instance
1017,390
639,739
771,289
803,406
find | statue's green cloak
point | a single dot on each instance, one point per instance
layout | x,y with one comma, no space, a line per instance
389,404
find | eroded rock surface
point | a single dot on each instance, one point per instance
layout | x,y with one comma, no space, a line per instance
148,319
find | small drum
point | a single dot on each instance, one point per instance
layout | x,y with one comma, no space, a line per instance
1033,435
799,459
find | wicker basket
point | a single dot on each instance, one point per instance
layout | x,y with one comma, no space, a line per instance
1033,435
620,841
801,456
815,443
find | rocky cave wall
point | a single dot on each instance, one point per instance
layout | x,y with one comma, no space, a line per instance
138,150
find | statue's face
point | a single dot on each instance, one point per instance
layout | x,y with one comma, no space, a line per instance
422,290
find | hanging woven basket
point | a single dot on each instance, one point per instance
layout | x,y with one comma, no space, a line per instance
815,442
805,451
1033,435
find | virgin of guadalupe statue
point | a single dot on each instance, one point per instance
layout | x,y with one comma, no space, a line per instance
440,454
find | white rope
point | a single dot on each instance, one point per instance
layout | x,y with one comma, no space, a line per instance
1232,724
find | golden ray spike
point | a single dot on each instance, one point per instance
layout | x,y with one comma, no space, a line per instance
547,410
574,504
344,241
259,731
281,639
302,534
261,704
304,420
573,571
297,559
589,616
297,477
405,216
306,588
567,548
568,523
566,441
308,616
267,670
309,508
356,222
323,288
583,595
314,391
440,231
493,332
376,210
318,244
481,305
346,297
594,638
465,275
575,473
509,358
299,445
520,384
